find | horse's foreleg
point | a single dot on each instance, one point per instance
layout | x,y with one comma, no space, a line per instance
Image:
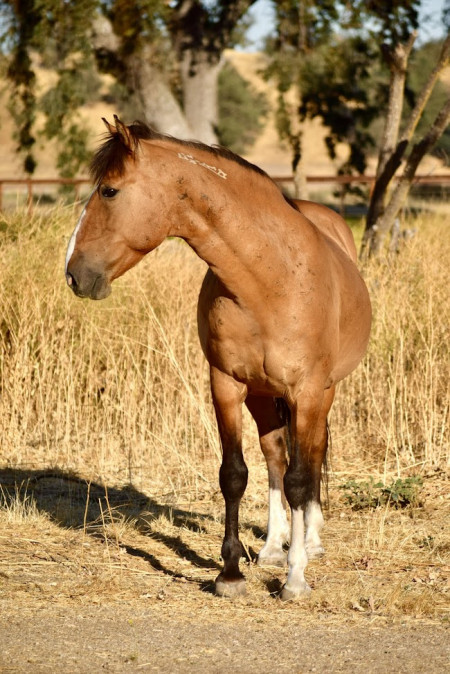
272,437
228,397
302,487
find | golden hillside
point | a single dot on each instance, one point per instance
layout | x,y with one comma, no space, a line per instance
267,152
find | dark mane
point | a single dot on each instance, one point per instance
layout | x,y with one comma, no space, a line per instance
113,153
291,202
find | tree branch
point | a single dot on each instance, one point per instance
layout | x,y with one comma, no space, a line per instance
400,192
397,60
377,217
195,28
426,92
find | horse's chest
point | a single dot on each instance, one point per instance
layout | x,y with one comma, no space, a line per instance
233,338
235,343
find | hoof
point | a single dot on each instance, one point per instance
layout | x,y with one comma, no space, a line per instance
290,595
230,588
279,560
315,552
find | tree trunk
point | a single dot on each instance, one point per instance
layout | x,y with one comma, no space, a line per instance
301,190
298,163
397,59
160,107
379,222
142,78
400,193
199,36
199,75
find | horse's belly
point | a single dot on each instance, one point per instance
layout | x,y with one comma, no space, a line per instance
268,369
354,329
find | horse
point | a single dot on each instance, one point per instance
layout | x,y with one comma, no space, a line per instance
283,313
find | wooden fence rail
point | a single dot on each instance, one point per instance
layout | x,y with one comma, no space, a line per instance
30,183
435,179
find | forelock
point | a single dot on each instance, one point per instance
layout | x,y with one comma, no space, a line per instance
112,155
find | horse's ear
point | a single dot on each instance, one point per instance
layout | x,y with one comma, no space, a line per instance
124,134
121,130
110,127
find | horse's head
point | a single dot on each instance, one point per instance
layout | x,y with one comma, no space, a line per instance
120,222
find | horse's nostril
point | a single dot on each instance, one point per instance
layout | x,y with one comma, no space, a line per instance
71,281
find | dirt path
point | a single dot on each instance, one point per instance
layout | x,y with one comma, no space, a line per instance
131,638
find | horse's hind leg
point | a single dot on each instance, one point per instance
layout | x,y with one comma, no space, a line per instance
272,437
302,486
228,396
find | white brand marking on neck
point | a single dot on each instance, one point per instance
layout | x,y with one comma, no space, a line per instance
213,169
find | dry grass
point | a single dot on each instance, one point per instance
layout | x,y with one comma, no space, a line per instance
382,566
110,455
398,401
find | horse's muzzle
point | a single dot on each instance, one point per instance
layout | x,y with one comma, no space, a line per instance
88,283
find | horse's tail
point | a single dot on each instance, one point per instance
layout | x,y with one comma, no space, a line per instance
284,411
284,414
326,465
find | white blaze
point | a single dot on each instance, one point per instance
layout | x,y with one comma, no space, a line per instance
73,238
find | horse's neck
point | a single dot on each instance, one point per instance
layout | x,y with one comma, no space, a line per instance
234,218
242,240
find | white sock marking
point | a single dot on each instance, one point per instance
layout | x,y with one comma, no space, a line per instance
314,524
297,557
277,527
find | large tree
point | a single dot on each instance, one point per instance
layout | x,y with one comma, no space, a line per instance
56,29
159,50
332,56
302,28
397,143
165,55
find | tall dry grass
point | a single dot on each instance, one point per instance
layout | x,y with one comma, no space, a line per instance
119,389
395,407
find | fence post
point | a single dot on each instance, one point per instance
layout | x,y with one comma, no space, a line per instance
29,195
77,191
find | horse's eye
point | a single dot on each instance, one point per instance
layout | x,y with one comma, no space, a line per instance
108,192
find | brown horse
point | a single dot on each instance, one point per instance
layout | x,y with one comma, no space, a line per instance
283,313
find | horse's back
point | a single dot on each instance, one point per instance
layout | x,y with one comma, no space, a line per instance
330,223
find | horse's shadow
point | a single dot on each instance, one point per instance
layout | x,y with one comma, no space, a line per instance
74,503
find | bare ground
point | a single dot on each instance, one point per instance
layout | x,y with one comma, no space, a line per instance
94,580
136,636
